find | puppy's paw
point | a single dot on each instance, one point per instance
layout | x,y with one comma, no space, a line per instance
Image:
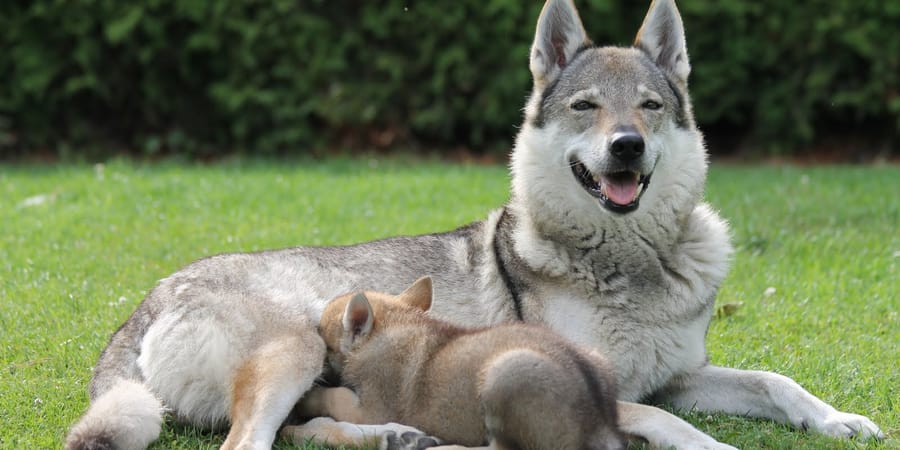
328,432
410,440
845,425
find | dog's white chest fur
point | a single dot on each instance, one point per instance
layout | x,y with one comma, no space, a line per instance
645,355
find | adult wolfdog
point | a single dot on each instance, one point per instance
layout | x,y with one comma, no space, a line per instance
605,239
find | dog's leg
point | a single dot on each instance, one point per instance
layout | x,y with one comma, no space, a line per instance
267,386
767,395
663,430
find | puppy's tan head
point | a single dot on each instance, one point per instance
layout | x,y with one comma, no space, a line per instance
350,320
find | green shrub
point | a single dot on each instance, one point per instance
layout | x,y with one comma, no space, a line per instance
791,72
202,78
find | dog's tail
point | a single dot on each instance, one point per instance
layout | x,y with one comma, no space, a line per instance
124,413
127,416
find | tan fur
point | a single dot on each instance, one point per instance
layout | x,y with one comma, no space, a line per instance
517,386
326,430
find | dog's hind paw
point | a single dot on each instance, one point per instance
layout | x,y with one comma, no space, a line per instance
410,440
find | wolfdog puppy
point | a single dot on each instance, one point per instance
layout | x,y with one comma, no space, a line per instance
512,386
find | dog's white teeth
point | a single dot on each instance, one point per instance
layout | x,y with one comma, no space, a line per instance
640,189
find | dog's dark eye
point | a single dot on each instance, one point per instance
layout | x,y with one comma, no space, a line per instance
583,105
651,105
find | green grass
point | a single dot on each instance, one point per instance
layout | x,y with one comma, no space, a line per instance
80,246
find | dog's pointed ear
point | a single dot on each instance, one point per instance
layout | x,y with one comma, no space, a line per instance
662,37
358,317
419,294
559,36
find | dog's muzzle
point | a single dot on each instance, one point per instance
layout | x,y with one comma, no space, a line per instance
619,190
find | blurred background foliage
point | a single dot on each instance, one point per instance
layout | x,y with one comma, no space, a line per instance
86,78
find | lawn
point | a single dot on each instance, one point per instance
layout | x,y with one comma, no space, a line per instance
815,274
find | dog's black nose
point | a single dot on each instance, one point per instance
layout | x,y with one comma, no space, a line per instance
627,146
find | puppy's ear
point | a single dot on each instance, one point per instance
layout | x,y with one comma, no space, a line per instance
662,37
358,318
558,38
419,295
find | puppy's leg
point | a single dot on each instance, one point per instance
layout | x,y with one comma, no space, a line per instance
342,404
339,403
327,431
268,384
768,395
453,447
663,430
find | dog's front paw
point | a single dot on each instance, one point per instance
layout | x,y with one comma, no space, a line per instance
845,425
410,440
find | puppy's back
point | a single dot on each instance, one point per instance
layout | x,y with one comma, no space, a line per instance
545,393
536,390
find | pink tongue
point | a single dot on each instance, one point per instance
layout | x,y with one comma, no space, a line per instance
619,189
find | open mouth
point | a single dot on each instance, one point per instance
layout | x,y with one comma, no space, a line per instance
617,191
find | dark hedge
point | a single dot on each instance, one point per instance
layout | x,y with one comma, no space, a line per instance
204,78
